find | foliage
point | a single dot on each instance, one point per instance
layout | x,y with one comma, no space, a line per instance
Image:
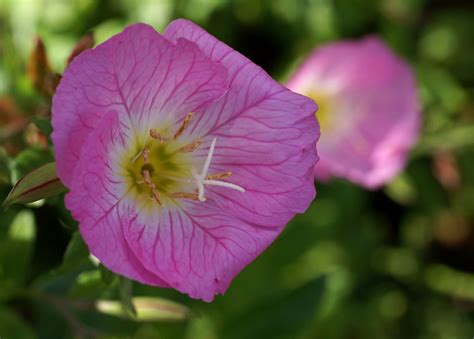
393,263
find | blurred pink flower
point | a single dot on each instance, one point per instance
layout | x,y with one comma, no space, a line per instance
368,110
184,159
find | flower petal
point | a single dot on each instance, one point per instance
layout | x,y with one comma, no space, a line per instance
266,136
377,99
140,75
199,249
98,202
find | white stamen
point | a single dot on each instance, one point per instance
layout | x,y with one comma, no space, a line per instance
201,178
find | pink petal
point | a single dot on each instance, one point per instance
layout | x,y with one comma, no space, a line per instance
97,201
198,249
377,110
266,136
138,74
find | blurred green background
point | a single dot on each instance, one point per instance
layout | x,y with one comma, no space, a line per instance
394,263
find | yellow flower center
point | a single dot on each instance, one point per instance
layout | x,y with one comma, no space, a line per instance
160,169
324,109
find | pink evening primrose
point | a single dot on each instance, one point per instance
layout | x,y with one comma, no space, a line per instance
368,110
184,160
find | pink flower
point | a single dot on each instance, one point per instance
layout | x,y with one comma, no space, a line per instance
368,110
184,159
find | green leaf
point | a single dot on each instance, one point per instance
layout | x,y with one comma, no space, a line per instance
13,327
281,318
30,159
108,277
43,124
5,164
77,253
39,184
147,309
125,291
451,139
16,250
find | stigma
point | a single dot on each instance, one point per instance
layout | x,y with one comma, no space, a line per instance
202,179
164,169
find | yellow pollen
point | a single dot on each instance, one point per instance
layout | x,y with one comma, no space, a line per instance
221,175
184,195
183,126
155,135
192,146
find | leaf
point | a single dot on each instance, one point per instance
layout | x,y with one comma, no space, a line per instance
17,248
147,309
44,125
86,42
108,277
77,253
5,164
13,327
125,291
450,139
28,160
281,318
39,184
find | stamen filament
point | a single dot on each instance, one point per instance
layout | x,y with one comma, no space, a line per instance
137,156
141,151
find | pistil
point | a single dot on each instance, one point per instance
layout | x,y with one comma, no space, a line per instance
203,179
150,167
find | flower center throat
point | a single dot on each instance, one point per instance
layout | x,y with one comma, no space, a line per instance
163,170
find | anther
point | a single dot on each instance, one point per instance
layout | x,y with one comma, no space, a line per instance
191,146
156,196
152,186
184,195
146,154
155,135
183,126
221,175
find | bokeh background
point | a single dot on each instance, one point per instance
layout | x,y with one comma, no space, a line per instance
394,263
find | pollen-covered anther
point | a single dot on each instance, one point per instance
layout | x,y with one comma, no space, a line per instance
184,195
146,155
221,175
154,191
191,147
183,126
157,136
